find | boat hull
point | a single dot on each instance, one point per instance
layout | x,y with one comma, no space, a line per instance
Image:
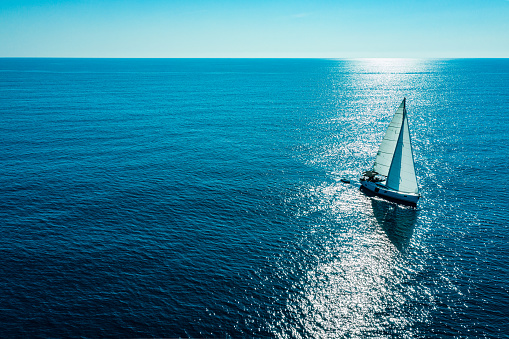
383,191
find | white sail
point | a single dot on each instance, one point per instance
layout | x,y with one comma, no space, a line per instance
401,176
385,153
395,161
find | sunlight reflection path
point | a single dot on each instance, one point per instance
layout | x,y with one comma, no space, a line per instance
357,279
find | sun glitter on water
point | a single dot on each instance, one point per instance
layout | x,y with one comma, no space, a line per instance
353,282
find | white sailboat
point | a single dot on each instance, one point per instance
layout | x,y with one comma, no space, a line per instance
393,173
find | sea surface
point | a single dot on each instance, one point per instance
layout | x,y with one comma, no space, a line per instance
202,198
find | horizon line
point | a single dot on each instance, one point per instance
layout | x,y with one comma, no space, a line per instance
320,58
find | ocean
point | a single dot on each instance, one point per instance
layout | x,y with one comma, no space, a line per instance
203,198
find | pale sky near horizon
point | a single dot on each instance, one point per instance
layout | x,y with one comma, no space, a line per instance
263,28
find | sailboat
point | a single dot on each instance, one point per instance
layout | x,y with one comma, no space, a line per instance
393,173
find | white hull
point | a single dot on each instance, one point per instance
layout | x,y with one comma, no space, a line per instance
385,192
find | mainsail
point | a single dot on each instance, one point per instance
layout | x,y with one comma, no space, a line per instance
395,159
385,153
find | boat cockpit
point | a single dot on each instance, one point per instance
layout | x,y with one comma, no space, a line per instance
372,176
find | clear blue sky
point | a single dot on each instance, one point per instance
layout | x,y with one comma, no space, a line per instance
258,28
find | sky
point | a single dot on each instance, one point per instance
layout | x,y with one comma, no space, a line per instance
255,29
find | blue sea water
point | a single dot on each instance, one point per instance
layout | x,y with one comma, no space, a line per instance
202,198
